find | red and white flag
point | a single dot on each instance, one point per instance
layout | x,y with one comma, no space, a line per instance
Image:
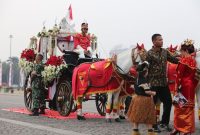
70,16
69,19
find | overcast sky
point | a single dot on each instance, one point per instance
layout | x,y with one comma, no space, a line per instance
115,22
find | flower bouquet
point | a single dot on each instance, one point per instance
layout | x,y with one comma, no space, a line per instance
26,60
53,69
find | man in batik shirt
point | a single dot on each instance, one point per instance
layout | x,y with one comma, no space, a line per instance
157,58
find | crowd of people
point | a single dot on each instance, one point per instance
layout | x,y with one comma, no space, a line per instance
152,75
151,86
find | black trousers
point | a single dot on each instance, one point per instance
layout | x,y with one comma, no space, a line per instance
163,93
127,103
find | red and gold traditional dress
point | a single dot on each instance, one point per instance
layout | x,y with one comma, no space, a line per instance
184,118
171,74
82,41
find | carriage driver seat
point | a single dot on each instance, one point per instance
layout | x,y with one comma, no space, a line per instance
72,58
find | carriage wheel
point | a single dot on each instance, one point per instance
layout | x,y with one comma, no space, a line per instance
101,100
64,98
27,96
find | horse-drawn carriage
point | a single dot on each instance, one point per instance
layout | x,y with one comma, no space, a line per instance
63,101
61,38
105,90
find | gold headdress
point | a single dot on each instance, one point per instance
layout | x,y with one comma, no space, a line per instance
188,42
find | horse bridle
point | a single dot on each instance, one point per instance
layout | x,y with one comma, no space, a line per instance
122,74
134,58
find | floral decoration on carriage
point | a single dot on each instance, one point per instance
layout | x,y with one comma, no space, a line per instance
56,45
26,61
53,69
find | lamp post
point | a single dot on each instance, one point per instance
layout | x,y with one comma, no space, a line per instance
11,64
10,36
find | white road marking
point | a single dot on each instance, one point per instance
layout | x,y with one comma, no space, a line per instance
46,128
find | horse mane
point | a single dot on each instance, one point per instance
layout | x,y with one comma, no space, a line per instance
123,52
124,59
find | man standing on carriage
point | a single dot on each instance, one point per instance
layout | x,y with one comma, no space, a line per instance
38,95
82,43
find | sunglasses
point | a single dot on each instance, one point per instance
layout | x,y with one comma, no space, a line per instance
85,28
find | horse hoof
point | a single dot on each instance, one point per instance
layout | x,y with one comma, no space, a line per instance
117,120
108,120
122,117
81,117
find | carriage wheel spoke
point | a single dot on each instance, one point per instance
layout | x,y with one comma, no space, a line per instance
28,99
64,106
99,104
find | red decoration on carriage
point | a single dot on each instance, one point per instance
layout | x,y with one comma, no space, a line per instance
55,61
28,54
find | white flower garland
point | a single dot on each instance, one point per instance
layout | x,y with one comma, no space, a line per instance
26,65
51,72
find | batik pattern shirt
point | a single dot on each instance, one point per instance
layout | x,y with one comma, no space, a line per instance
158,65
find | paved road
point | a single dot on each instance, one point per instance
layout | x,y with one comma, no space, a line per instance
21,124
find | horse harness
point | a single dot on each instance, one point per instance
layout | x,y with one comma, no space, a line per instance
115,75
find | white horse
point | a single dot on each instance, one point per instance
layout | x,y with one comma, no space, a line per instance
138,56
125,64
124,61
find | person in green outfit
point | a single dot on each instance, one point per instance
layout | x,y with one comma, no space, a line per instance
38,92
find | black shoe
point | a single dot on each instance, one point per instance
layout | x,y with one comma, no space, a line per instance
117,120
166,127
156,128
35,113
81,117
42,111
122,117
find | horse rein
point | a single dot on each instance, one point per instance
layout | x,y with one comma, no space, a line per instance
126,76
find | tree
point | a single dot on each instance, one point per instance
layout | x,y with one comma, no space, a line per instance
15,72
5,72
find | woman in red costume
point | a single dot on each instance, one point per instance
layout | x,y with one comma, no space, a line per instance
184,117
171,69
